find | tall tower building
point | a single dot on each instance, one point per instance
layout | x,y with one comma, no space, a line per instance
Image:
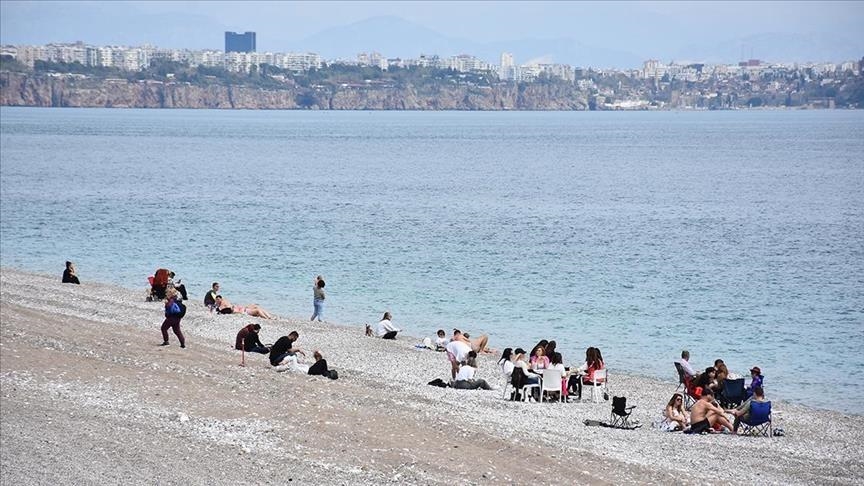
507,70
235,42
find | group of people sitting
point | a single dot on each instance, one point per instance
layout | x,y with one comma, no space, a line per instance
462,353
706,415
713,378
521,371
216,303
707,387
283,353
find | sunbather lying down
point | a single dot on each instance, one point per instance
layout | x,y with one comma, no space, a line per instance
478,345
223,306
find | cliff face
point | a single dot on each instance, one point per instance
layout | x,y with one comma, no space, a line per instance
17,89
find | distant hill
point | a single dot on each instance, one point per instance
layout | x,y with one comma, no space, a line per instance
778,47
397,37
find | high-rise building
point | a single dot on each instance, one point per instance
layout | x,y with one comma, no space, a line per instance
235,42
508,70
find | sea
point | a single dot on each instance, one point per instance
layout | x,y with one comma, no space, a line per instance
736,235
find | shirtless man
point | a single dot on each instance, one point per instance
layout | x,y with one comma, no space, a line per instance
705,415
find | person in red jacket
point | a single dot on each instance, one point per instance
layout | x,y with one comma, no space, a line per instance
249,341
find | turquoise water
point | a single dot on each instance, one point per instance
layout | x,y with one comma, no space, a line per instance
736,235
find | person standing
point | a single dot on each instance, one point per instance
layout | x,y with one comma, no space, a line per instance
318,298
173,313
70,275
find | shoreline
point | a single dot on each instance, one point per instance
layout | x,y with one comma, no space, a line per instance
83,358
494,344
453,110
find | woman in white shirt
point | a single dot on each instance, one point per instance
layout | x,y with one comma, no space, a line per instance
506,363
558,365
465,377
519,362
675,417
386,330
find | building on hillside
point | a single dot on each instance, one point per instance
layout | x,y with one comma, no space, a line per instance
508,70
235,42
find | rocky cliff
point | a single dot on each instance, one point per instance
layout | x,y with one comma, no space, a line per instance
17,89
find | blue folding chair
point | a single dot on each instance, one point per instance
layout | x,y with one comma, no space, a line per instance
732,394
759,421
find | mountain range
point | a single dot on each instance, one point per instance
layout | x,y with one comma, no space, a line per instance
395,36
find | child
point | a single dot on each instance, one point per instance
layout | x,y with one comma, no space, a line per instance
441,341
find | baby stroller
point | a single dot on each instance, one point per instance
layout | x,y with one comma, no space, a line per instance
158,285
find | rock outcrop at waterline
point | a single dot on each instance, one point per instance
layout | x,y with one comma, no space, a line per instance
18,89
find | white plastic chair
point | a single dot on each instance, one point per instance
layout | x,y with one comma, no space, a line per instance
527,387
551,382
507,378
600,381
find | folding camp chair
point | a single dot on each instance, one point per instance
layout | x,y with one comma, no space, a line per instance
759,421
685,382
620,416
732,394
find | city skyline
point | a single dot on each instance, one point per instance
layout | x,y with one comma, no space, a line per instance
607,35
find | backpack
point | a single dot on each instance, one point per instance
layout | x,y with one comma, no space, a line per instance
333,375
160,279
172,310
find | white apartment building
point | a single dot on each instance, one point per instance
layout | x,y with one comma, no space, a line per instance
466,63
298,62
372,59
68,53
508,71
562,71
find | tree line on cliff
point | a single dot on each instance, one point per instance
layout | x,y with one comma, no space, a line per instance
340,86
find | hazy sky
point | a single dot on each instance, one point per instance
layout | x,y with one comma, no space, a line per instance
648,29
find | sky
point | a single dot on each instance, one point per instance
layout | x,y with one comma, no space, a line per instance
642,30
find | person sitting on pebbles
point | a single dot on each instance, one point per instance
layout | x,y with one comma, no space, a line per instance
320,367
465,377
249,341
283,350
386,330
705,414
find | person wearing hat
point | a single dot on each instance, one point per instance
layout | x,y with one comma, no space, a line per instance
756,374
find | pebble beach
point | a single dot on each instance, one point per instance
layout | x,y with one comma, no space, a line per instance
87,396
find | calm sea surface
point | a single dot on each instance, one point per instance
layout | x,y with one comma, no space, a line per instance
736,235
